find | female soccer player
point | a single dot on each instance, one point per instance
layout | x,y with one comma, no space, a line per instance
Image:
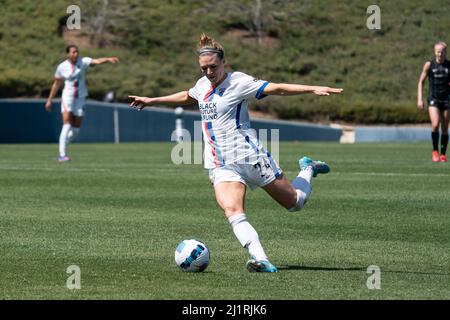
234,156
73,71
438,71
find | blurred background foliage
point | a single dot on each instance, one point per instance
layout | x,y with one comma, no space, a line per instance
310,42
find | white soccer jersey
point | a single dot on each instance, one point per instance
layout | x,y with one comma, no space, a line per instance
74,78
225,119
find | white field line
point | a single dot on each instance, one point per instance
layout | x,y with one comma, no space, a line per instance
69,169
168,170
11,168
385,174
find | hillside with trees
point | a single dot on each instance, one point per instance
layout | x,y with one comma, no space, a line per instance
304,41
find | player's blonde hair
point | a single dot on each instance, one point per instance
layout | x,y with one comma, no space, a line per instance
441,43
208,46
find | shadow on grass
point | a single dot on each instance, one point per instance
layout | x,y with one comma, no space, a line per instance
364,269
296,267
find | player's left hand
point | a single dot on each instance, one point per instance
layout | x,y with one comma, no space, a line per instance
114,60
326,91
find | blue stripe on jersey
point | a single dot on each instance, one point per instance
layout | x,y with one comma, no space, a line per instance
273,166
247,138
259,94
238,114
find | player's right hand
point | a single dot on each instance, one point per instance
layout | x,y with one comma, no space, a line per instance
138,102
48,106
420,104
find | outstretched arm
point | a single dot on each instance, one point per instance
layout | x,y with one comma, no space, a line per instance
176,99
286,89
112,60
53,91
423,76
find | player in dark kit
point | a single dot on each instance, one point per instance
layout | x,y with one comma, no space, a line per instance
438,71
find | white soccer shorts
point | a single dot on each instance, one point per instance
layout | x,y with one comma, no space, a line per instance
254,175
74,105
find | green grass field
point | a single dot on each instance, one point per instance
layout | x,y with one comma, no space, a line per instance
118,212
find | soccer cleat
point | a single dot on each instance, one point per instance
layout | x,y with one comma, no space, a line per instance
317,166
443,158
435,156
63,159
254,265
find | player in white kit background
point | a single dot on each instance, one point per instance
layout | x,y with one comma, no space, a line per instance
73,72
234,156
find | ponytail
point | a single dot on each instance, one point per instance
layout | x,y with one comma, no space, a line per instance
208,46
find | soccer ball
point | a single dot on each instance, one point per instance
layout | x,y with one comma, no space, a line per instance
192,255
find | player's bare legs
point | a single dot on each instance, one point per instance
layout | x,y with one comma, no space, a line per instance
231,198
67,117
77,121
282,191
74,128
293,195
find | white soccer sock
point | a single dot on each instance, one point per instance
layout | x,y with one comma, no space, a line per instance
306,174
63,139
247,236
73,133
302,185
